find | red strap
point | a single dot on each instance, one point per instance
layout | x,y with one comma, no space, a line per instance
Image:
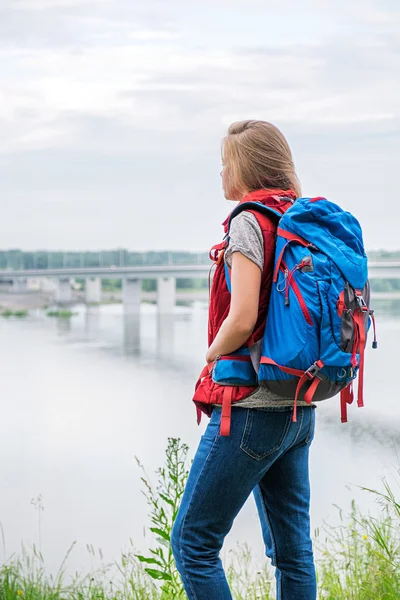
317,198
292,237
359,319
278,262
302,381
346,397
225,428
304,376
309,395
341,305
198,411
292,283
238,357
268,361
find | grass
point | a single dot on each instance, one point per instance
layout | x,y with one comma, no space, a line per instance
20,314
63,314
359,559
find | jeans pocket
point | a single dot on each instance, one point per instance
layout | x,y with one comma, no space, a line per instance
264,432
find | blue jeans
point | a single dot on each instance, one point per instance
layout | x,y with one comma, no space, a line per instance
266,453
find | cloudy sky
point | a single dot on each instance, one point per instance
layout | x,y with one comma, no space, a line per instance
112,112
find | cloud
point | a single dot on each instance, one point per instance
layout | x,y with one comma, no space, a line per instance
105,94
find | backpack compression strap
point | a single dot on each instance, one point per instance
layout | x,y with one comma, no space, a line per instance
225,429
311,374
360,338
346,397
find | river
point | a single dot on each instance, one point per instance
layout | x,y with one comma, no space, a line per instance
81,398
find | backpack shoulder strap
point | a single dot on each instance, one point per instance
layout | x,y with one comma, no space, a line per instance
258,207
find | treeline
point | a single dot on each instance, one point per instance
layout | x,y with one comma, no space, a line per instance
385,285
120,257
150,285
20,260
384,255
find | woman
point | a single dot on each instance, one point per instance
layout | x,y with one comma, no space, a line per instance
266,452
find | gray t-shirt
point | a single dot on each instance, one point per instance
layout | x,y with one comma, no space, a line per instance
245,236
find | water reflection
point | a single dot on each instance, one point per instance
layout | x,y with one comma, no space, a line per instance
92,319
363,428
63,325
165,334
131,337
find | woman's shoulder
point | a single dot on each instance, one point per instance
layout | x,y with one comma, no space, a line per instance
260,222
245,236
245,220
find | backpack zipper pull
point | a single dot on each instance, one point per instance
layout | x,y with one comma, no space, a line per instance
289,281
375,342
214,363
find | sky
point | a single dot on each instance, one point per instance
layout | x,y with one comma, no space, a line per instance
112,114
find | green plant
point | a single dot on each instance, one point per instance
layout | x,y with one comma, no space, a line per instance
245,581
360,558
164,501
63,314
14,313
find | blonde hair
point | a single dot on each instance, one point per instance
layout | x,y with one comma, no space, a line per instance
258,156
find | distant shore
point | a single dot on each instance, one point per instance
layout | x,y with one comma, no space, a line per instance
33,300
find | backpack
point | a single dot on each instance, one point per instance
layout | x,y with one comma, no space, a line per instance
319,314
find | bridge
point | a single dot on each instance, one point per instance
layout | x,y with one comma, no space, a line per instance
59,281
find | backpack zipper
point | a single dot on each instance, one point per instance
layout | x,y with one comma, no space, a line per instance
293,284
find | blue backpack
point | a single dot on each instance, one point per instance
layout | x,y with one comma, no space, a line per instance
319,314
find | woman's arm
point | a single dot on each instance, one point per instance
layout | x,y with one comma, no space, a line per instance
243,313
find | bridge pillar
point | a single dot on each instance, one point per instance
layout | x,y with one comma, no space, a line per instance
47,284
93,290
20,285
131,292
63,291
166,295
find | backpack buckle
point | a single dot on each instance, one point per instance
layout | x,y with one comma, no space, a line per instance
314,370
361,303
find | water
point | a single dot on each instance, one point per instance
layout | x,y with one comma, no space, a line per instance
80,399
